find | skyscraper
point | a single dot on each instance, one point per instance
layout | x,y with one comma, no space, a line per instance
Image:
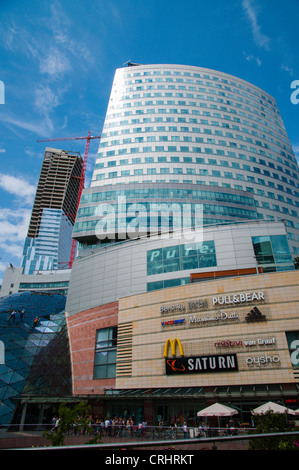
178,134
49,237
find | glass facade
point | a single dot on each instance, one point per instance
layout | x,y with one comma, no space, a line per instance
172,132
181,257
36,356
52,245
293,344
105,353
272,253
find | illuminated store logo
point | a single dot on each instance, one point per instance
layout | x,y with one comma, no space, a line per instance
172,322
226,343
202,364
199,364
261,360
173,344
240,298
196,304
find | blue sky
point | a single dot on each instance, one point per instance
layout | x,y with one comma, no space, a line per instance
57,62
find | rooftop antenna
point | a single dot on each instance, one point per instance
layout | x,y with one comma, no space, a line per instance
130,63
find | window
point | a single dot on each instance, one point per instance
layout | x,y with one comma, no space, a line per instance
105,353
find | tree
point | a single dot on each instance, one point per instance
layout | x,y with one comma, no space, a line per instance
68,417
268,423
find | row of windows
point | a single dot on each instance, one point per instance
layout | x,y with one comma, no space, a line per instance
226,212
180,112
194,139
174,128
180,100
206,139
207,101
165,193
43,285
202,161
89,211
202,172
215,81
270,251
200,85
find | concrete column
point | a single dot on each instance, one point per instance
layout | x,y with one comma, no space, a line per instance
23,417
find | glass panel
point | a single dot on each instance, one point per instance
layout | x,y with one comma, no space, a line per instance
101,358
263,250
171,265
189,263
171,252
154,285
188,250
293,344
154,268
281,249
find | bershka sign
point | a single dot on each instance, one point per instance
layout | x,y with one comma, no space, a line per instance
197,304
201,364
238,298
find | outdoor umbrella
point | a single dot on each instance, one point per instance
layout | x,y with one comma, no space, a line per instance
217,409
270,406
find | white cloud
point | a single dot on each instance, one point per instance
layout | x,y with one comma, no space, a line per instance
251,12
288,69
251,58
13,230
18,187
14,225
41,128
55,64
296,150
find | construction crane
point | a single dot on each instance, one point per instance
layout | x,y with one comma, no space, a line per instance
82,179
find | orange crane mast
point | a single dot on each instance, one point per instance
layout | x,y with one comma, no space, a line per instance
82,179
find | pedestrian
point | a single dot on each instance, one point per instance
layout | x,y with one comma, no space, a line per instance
22,314
185,430
35,322
12,316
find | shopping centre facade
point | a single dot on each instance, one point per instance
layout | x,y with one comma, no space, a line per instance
183,291
230,334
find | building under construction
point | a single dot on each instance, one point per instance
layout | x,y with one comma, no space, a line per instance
48,242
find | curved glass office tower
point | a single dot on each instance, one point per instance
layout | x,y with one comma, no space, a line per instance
182,139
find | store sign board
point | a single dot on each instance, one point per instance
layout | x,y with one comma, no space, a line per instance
238,298
265,359
200,304
226,343
172,345
201,364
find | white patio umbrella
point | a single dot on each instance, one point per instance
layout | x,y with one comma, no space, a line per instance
271,406
217,409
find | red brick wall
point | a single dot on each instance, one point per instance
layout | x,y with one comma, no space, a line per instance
82,333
